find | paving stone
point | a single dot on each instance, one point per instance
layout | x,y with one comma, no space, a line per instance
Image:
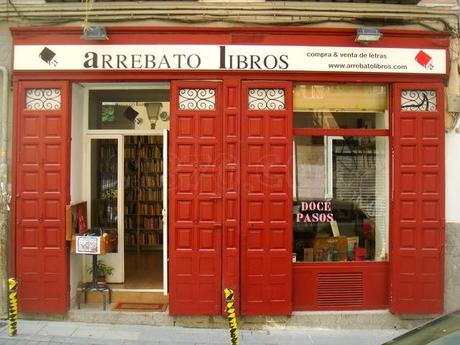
58,329
91,331
131,342
121,334
106,334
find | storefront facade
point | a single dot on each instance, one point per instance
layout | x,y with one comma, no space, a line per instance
307,175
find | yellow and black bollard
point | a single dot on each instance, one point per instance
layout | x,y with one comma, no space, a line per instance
12,307
231,315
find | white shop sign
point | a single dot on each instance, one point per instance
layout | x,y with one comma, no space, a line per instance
229,57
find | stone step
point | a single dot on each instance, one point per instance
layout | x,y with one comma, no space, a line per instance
128,296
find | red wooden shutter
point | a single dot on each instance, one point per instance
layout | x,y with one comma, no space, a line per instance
41,189
266,198
231,188
195,160
417,234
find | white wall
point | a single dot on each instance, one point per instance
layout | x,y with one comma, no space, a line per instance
76,176
453,177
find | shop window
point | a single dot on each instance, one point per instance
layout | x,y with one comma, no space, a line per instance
131,109
197,99
266,99
418,100
341,174
340,106
43,99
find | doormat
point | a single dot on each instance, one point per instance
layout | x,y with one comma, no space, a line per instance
144,307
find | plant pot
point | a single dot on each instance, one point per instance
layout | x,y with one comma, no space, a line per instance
101,279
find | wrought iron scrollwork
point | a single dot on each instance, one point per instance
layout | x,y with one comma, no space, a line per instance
43,99
197,99
266,99
418,100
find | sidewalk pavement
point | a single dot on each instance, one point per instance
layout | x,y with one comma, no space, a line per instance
68,332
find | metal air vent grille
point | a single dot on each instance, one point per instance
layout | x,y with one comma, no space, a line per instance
340,289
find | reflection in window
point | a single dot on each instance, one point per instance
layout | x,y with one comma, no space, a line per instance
141,109
340,198
104,185
340,182
340,106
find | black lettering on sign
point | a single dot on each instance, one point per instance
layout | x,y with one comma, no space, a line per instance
91,60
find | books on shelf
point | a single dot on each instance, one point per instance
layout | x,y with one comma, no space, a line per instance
143,191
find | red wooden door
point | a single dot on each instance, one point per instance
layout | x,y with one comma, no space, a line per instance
266,198
417,235
41,190
195,160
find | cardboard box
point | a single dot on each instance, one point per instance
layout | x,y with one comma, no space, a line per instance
330,249
308,254
94,245
353,241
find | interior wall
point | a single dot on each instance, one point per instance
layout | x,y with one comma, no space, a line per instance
76,177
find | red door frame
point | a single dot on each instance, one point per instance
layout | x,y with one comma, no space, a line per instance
375,290
231,165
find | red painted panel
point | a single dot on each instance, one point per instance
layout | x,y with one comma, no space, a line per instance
41,190
195,191
231,188
235,35
360,286
266,232
417,236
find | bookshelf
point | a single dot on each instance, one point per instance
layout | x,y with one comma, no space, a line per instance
143,193
104,171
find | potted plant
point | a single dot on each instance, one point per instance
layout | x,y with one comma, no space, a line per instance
102,271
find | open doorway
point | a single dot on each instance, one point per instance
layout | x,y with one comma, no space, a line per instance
143,212
125,179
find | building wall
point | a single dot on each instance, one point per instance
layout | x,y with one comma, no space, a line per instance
452,249
76,179
5,61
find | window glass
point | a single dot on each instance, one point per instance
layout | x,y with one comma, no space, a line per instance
340,106
340,210
129,109
104,185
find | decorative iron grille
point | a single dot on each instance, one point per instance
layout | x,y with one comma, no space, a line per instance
418,100
266,99
43,99
197,99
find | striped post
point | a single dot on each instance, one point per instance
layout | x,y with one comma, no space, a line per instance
12,307
231,316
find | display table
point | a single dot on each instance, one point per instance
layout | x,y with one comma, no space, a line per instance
94,243
94,285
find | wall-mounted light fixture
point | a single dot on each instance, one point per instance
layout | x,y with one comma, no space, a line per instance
366,35
94,33
153,112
